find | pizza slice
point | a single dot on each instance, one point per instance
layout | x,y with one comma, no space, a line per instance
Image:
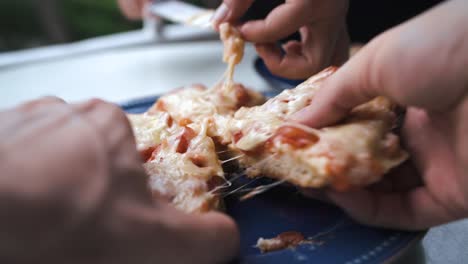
181,163
196,103
356,152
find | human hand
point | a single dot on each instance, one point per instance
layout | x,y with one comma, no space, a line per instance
420,65
73,190
132,9
321,23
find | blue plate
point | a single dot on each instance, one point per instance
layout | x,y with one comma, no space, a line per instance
337,238
275,82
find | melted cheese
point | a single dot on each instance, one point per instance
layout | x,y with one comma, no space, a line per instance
149,129
356,152
215,106
172,174
259,123
233,51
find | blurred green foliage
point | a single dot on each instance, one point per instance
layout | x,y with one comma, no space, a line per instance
90,18
23,24
31,23
19,25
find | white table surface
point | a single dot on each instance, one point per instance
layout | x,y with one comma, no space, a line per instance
123,74
119,75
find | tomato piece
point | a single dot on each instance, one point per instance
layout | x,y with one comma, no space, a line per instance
146,153
184,140
237,136
295,137
199,160
155,152
150,153
157,107
291,238
169,121
185,122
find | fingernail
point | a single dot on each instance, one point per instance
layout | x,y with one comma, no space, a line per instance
220,13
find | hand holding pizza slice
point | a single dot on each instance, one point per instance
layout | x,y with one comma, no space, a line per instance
356,152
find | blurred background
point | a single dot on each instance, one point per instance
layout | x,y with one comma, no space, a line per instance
32,23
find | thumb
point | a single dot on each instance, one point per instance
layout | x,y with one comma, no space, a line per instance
399,64
351,85
213,236
415,209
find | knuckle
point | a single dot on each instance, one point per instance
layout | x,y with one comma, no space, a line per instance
44,101
107,117
109,110
52,100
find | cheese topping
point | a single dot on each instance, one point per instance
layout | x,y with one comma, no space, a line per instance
215,106
183,160
259,123
150,129
233,50
357,152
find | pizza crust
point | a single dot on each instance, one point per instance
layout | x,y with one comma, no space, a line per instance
356,152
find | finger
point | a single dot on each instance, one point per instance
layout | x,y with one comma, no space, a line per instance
230,11
44,101
221,235
118,143
288,63
132,9
281,22
403,178
297,60
317,194
342,48
386,66
460,134
213,237
413,210
344,90
159,233
293,47
270,53
112,124
34,117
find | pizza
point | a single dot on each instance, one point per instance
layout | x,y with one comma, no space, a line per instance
356,152
180,135
181,163
197,103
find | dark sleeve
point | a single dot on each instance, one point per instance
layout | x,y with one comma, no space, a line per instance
367,18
